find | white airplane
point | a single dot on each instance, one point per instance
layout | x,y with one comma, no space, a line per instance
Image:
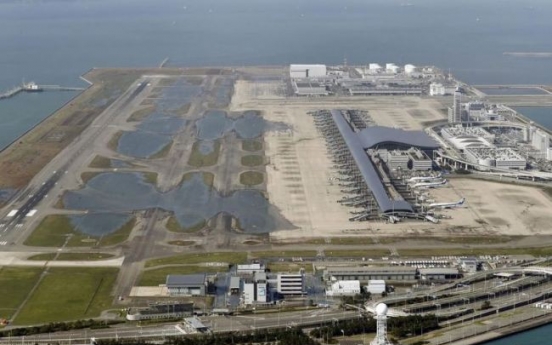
429,184
423,178
447,204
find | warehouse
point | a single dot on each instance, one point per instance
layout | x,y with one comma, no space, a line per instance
186,285
290,284
376,287
367,273
309,88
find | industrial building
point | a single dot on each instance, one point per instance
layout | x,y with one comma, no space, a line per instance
438,89
343,288
501,158
235,285
290,284
160,311
366,273
307,71
255,290
186,285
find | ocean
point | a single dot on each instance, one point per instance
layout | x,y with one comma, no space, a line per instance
537,336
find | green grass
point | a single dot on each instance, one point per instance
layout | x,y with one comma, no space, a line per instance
181,243
289,267
15,284
141,114
114,141
158,276
100,162
284,254
228,257
208,177
541,251
198,160
163,152
71,256
251,178
150,177
342,240
54,229
251,145
181,110
88,175
174,226
69,294
356,253
252,160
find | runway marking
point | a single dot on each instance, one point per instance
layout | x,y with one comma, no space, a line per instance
3,243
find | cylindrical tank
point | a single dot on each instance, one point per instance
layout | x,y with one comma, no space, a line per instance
409,68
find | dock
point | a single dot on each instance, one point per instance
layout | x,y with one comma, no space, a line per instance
33,87
164,62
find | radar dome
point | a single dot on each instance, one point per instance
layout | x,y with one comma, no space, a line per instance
381,309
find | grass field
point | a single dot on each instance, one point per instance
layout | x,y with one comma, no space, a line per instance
198,159
174,226
150,177
342,240
208,177
251,178
158,276
228,257
369,253
141,114
163,152
251,145
88,175
71,256
69,294
114,141
252,160
289,267
15,284
100,162
284,254
53,231
181,243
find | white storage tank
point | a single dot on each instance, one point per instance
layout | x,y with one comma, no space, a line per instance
408,69
374,67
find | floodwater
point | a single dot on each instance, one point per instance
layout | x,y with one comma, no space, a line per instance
98,224
191,203
156,130
215,124
142,144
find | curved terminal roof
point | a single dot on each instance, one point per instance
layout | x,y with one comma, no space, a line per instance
367,169
378,135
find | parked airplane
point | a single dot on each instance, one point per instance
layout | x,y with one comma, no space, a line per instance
429,184
447,204
416,179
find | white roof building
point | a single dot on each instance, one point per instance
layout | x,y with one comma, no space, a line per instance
344,288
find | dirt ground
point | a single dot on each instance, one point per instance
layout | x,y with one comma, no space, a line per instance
299,173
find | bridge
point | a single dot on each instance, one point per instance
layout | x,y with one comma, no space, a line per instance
32,87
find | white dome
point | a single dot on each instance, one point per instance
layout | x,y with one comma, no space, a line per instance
381,309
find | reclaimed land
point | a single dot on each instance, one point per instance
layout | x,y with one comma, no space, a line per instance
251,145
69,294
53,231
25,157
251,178
208,177
16,283
252,160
